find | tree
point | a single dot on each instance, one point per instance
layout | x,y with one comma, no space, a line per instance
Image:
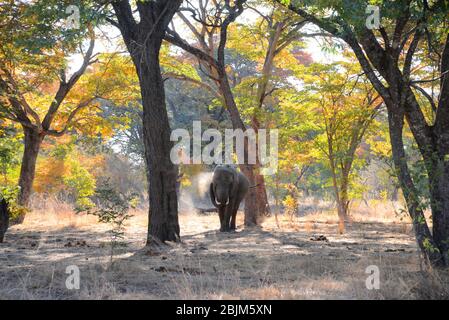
32,58
346,105
272,57
143,40
213,22
390,56
186,98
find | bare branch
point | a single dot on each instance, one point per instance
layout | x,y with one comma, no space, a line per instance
427,96
65,87
72,115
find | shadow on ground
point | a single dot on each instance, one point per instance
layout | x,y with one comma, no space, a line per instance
257,263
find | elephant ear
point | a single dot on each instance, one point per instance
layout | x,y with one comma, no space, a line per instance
212,195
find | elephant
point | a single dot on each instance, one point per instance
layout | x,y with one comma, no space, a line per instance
227,190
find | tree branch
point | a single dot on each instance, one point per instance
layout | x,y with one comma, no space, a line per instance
65,87
172,75
72,115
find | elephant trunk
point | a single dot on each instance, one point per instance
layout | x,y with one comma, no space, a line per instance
222,202
225,203
212,196
222,196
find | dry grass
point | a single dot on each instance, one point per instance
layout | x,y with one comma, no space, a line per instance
259,263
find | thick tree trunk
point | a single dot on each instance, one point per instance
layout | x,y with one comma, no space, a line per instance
261,190
439,192
251,206
32,144
162,174
423,236
262,196
143,41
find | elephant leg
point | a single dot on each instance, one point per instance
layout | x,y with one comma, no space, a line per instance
234,217
221,214
228,216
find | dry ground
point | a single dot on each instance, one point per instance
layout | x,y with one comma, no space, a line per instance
259,263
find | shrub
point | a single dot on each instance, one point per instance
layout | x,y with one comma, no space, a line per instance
112,208
10,195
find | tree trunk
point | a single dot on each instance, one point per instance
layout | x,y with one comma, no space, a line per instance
276,202
262,196
251,206
162,174
267,70
261,190
344,193
340,206
4,218
143,41
423,236
255,203
439,193
32,144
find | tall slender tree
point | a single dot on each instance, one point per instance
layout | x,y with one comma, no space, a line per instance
346,105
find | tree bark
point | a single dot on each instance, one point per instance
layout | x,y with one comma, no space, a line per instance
262,196
261,190
143,41
32,143
251,206
344,193
439,175
162,174
341,189
4,218
422,233
253,209
340,206
439,192
267,70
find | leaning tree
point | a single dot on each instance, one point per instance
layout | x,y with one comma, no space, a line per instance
413,36
210,24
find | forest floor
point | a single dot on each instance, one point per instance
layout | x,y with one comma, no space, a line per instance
290,262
